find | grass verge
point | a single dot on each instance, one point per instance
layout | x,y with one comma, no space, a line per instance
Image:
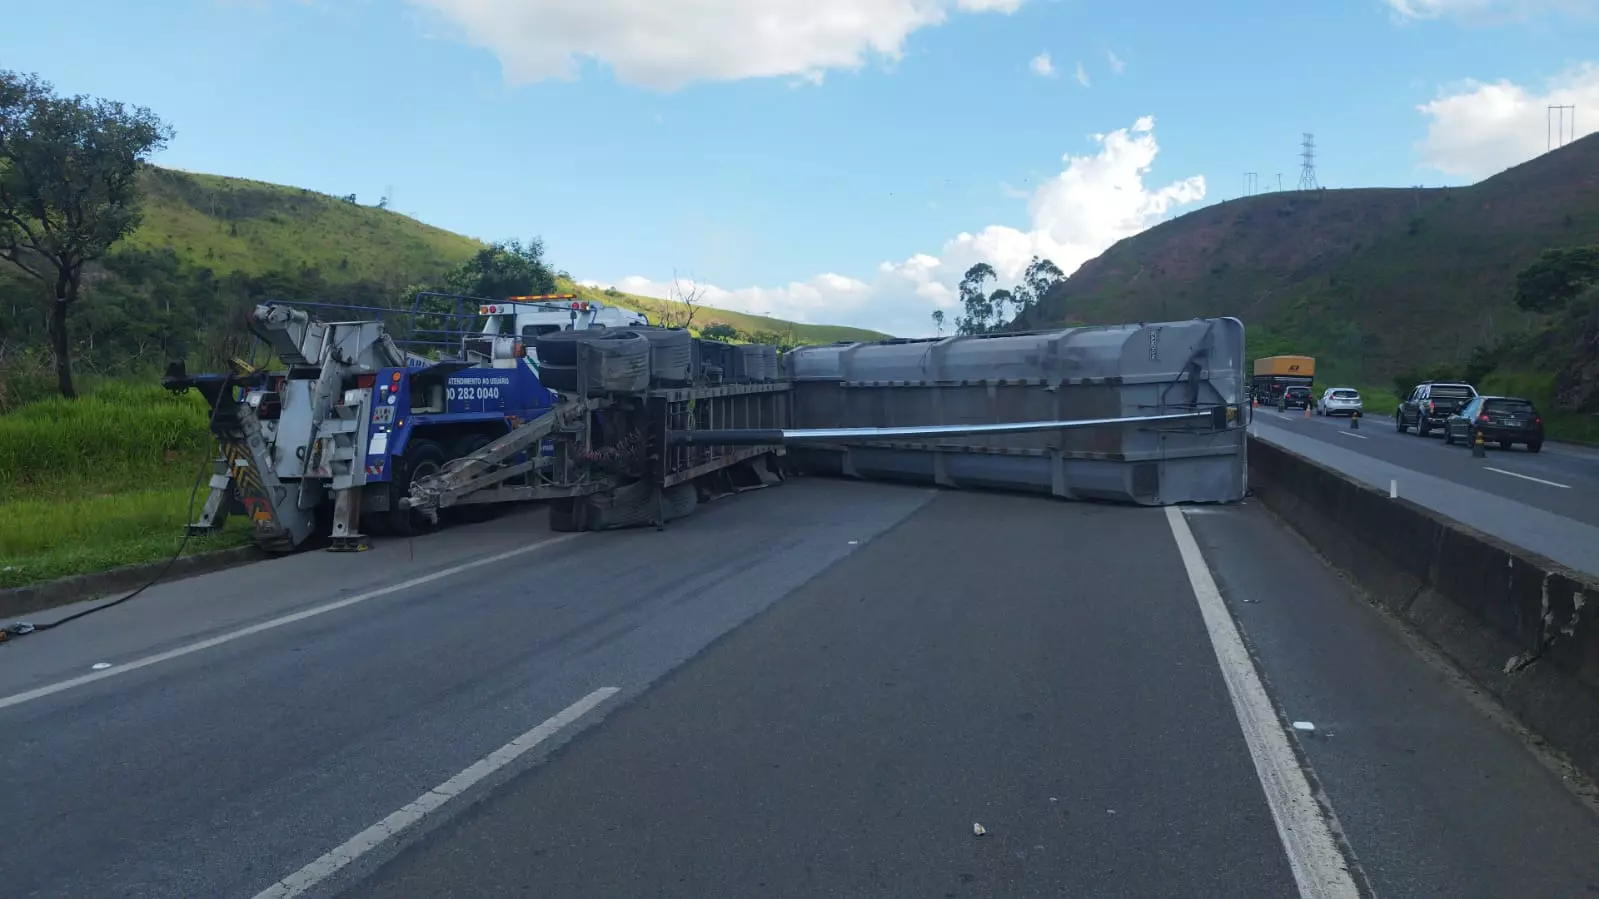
42,540
101,482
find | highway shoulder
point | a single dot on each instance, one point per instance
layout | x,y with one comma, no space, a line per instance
1436,793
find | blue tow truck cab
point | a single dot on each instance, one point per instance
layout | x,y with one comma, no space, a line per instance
459,409
330,443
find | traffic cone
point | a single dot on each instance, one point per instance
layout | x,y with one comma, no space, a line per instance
1478,450
1354,421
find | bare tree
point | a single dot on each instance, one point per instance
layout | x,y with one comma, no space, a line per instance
686,298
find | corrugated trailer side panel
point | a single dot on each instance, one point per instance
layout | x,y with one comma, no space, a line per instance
1080,373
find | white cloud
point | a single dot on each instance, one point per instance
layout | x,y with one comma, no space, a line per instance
1486,9
1116,63
1484,128
1082,74
1095,201
1042,66
666,44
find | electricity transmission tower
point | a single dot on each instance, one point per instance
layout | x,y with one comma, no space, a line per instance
1307,166
1251,184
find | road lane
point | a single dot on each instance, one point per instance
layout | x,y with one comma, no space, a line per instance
1572,474
179,613
1449,481
822,687
1037,667
217,773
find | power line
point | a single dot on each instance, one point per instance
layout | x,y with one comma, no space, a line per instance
1307,165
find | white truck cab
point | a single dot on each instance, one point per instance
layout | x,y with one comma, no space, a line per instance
511,327
528,317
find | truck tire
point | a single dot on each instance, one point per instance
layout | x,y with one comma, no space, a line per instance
559,347
558,377
671,355
614,361
422,457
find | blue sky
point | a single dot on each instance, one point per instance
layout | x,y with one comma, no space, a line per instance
822,159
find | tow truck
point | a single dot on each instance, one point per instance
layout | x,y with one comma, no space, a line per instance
330,444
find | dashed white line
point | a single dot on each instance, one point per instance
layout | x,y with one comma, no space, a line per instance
1354,435
1526,477
1319,868
385,830
169,655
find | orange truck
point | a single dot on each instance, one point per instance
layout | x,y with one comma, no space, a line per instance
1274,374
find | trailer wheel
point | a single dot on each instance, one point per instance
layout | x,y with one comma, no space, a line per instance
422,457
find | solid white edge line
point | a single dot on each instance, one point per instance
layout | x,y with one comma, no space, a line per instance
169,655
381,832
1527,477
1319,868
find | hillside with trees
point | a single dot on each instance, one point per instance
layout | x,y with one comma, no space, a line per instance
110,266
1379,284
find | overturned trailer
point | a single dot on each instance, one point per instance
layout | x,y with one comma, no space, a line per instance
1149,414
1126,388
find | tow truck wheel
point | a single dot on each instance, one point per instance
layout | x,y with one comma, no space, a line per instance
422,457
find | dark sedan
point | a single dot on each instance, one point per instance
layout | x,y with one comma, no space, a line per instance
1505,420
1296,398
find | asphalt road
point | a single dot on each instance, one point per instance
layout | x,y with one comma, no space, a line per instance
821,688
1547,502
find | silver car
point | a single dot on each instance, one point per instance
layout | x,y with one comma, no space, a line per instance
1340,401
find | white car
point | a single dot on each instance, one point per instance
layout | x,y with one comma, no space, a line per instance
1340,401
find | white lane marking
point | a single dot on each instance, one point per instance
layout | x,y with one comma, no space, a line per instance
379,833
1319,867
1526,477
1353,434
169,655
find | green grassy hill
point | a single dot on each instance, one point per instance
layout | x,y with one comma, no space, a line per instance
236,225
209,248
1373,282
251,227
740,321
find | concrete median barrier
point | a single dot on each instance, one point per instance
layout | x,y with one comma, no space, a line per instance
1521,625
